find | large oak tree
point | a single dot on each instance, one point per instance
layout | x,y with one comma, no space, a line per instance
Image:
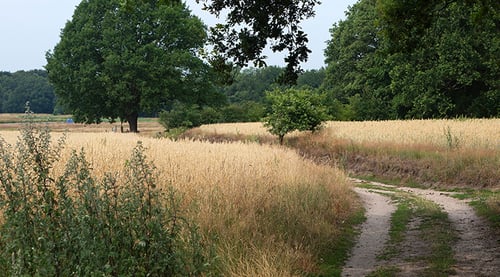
116,61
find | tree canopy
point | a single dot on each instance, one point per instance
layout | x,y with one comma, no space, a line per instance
252,25
294,109
250,84
116,61
417,59
26,86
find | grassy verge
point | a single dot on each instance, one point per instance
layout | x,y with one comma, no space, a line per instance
417,164
332,261
399,222
437,231
486,203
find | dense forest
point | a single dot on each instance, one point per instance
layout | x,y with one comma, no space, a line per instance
22,86
433,59
440,62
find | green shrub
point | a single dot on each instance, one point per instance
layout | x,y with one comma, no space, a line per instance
181,115
188,116
294,109
77,225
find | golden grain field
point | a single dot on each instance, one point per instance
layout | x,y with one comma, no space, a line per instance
268,208
466,133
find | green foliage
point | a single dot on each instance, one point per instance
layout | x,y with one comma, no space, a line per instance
357,77
294,109
247,111
452,68
116,61
424,59
246,94
311,78
188,116
22,86
75,224
250,84
250,26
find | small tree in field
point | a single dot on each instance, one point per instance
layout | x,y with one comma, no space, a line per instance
294,109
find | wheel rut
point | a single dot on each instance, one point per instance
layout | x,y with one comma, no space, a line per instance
374,233
476,251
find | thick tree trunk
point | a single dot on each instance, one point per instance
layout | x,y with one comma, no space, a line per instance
132,122
281,138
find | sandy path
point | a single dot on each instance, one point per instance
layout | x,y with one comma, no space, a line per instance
477,251
374,233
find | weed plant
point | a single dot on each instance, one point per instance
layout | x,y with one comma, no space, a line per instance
74,224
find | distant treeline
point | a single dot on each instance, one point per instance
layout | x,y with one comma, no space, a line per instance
26,86
245,98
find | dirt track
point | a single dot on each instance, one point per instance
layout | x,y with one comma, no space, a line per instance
477,251
374,233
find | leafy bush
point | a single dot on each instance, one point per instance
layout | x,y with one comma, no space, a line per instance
294,109
76,225
247,111
188,116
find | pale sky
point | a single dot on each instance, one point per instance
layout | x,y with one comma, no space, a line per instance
29,28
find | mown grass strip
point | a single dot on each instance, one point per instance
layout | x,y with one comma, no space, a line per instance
435,230
399,222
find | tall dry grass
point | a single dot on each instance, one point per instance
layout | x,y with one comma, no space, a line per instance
267,211
461,133
457,152
466,133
